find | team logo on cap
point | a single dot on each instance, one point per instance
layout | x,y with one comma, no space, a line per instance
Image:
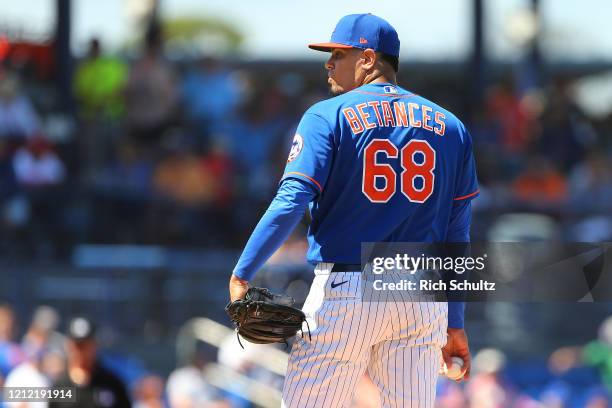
296,148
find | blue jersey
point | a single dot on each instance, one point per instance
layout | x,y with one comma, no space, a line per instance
387,165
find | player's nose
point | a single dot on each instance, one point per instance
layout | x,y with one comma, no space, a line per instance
329,64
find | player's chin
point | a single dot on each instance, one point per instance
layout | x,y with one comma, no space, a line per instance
335,89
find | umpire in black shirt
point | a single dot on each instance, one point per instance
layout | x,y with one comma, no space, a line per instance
95,386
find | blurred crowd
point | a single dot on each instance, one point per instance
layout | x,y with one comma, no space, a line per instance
153,151
189,153
74,353
538,152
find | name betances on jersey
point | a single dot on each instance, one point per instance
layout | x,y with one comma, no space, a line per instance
369,115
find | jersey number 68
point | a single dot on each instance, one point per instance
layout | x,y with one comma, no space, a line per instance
418,160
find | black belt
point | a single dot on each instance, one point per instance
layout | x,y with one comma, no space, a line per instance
339,267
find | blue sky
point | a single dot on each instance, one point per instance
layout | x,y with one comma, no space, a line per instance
429,30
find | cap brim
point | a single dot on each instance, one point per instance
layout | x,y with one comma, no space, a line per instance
328,46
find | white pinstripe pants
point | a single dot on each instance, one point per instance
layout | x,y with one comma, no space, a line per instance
397,341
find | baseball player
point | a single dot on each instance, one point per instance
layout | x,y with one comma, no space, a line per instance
375,163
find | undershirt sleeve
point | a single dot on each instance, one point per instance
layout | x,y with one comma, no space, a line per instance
458,231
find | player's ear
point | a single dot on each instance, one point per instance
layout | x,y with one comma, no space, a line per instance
369,58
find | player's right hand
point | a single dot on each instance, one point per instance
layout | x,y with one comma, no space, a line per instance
457,345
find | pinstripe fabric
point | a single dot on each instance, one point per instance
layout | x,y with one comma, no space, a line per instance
397,341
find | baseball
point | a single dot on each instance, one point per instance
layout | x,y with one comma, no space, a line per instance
455,371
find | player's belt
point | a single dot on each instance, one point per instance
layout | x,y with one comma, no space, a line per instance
340,267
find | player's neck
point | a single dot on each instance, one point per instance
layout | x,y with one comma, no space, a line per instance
385,80
378,77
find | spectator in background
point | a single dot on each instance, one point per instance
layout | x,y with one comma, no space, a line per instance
41,175
219,211
509,116
42,332
53,364
592,178
540,184
122,191
192,191
10,352
13,207
565,132
18,119
37,343
254,137
152,92
240,358
99,83
210,94
218,163
597,400
181,177
95,385
37,166
194,179
449,394
8,179
187,388
28,374
486,389
598,353
150,392
129,174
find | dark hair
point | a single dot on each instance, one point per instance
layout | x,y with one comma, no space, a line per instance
391,60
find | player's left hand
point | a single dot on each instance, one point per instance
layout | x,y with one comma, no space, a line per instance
457,345
237,288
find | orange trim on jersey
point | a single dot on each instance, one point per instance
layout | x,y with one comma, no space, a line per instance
308,177
385,94
467,196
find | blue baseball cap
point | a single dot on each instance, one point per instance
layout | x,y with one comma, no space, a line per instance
362,31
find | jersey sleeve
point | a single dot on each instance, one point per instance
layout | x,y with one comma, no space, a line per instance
285,211
312,152
467,182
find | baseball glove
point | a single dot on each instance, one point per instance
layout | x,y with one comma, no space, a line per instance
263,317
